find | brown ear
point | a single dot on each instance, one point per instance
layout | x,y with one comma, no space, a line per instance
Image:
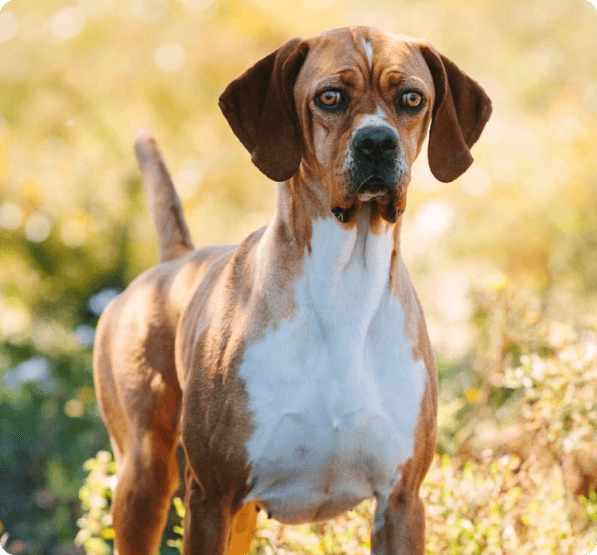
259,106
460,113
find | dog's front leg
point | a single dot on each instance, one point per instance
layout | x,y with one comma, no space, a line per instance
207,520
211,528
398,525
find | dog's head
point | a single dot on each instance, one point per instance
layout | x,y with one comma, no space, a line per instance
352,106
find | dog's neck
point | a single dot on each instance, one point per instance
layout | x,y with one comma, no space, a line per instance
303,200
347,268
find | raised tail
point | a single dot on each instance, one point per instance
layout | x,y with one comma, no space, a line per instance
173,233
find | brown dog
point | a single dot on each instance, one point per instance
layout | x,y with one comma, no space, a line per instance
295,368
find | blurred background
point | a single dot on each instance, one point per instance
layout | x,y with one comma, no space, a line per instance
504,259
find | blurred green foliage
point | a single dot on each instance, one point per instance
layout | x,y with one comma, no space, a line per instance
504,259
95,526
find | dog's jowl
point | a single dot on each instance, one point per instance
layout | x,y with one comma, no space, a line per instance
295,368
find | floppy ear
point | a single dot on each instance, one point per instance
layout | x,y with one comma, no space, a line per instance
259,106
460,113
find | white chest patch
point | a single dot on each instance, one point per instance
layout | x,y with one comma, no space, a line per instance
334,391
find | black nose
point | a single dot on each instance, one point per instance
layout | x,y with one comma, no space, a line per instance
375,141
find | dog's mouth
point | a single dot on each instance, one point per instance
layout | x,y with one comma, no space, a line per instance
373,187
386,202
384,188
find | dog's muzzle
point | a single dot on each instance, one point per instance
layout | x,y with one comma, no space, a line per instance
374,169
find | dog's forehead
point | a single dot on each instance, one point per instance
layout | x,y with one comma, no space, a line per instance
364,50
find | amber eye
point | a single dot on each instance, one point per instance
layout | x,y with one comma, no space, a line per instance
411,101
331,100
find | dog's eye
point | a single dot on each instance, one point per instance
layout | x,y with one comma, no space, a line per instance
331,100
411,101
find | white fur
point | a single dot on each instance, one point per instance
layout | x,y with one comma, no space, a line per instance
334,390
368,53
376,118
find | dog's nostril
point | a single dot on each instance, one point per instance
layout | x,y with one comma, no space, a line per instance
373,147
367,146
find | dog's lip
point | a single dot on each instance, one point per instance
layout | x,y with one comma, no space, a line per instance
382,194
365,196
374,180
372,187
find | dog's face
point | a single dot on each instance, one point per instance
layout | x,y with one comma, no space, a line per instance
349,110
364,111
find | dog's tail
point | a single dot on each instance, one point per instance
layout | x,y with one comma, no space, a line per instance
173,233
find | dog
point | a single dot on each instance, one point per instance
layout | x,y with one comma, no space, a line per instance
295,368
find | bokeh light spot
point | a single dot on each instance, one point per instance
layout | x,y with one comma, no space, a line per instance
9,25
67,23
11,216
37,228
170,57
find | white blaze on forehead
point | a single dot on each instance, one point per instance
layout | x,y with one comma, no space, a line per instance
368,52
376,118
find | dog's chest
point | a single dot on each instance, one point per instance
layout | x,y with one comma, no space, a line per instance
335,394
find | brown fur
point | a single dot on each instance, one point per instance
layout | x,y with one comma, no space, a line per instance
168,348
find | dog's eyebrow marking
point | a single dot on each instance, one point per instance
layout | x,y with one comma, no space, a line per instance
347,76
368,52
344,76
